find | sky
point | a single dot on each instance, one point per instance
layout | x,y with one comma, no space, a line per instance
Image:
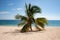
9,8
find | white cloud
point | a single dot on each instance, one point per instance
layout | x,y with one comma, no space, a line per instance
18,9
11,4
4,12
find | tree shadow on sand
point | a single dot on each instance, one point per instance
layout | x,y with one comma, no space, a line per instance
17,32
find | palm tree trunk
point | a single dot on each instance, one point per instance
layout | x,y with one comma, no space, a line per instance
30,28
30,22
25,28
37,28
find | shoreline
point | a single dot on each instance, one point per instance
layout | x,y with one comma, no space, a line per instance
17,26
13,33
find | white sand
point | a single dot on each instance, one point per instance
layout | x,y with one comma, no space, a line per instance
12,33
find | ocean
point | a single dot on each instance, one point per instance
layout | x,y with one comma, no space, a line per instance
15,22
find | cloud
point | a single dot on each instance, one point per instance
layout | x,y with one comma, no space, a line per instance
11,4
4,12
18,9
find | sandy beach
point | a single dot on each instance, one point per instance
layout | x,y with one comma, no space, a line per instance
12,33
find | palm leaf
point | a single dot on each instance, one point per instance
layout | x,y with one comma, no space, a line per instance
26,5
26,8
21,17
17,16
35,9
29,6
21,24
41,22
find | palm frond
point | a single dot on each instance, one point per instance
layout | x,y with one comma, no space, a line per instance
17,16
21,23
26,5
26,8
41,22
29,6
21,17
35,9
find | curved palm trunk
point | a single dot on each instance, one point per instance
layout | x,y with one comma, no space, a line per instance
30,22
27,26
38,28
30,27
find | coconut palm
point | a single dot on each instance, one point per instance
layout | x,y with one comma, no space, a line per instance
29,19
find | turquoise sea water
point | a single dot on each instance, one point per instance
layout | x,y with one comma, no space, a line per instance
15,22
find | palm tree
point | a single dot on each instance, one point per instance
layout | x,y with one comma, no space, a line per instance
29,19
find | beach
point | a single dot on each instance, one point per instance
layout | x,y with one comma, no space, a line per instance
13,33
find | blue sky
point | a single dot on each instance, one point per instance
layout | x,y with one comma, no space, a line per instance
9,8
